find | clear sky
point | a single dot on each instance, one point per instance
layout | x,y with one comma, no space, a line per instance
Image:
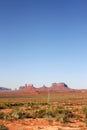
43,41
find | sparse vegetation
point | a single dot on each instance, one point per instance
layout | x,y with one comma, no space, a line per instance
84,109
16,114
3,106
63,109
3,127
2,115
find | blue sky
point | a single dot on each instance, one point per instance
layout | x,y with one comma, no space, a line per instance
43,41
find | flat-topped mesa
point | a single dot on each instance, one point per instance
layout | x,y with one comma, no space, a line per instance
59,86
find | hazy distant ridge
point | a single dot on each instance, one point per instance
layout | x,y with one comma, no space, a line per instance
3,88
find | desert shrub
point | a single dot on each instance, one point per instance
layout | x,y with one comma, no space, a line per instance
62,118
3,127
2,115
14,104
44,103
16,114
39,113
51,113
84,109
63,115
32,105
3,106
86,122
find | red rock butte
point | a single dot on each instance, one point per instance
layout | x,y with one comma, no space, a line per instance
27,87
53,87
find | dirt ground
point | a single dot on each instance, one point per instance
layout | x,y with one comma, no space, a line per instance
74,102
41,124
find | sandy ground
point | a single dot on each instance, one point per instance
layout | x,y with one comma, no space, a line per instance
41,128
40,124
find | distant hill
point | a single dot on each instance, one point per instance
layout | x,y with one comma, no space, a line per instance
3,88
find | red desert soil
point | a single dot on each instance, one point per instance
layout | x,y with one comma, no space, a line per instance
6,110
74,100
41,124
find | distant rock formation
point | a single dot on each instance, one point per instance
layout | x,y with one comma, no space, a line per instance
43,88
53,87
58,86
27,87
3,88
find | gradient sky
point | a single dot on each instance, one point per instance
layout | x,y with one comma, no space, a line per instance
43,41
